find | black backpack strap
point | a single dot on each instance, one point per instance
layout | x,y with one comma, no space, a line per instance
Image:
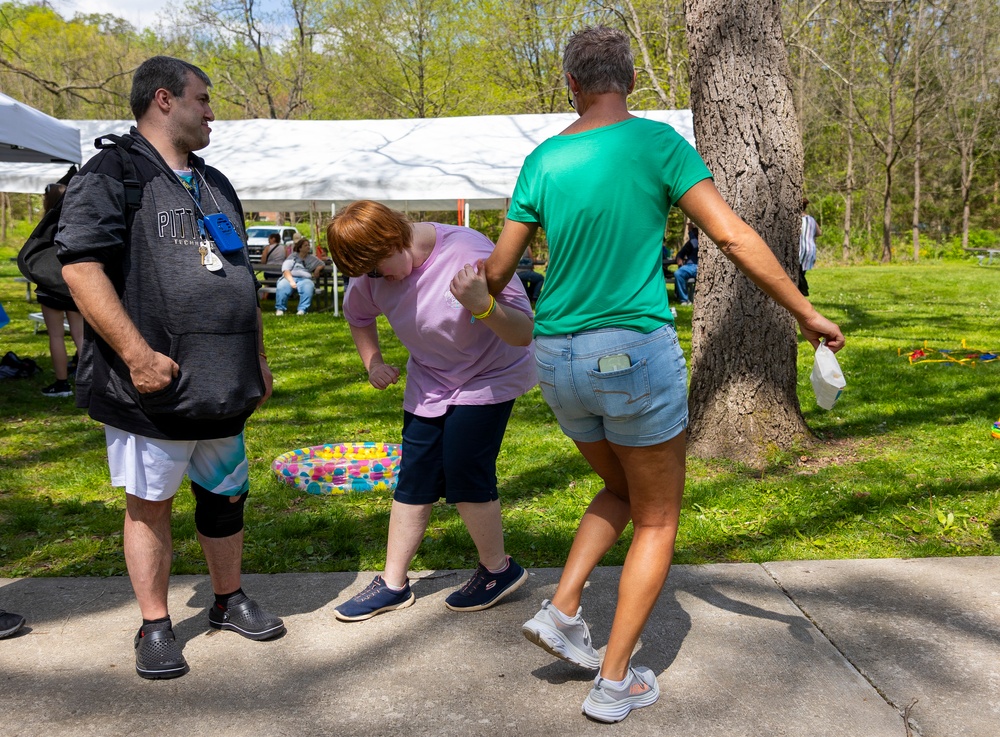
133,188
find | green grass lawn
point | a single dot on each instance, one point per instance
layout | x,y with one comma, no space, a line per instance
904,465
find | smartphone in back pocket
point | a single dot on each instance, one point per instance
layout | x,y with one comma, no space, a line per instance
616,362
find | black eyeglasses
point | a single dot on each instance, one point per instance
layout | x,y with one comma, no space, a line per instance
569,99
373,274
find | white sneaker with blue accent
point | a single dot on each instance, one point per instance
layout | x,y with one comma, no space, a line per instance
607,703
565,638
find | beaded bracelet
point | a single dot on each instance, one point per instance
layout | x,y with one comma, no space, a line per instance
489,310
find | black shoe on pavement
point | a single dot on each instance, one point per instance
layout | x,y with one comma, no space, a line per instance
157,654
9,623
247,619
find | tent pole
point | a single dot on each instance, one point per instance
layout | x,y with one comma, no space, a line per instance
336,279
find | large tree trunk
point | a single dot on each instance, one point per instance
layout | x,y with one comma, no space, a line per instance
742,401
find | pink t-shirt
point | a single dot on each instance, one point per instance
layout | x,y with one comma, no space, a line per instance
452,360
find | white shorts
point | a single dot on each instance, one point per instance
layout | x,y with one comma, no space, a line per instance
152,469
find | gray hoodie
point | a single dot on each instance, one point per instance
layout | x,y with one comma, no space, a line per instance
204,320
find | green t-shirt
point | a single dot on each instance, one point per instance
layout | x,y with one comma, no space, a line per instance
602,197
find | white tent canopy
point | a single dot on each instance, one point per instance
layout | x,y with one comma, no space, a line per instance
413,164
27,135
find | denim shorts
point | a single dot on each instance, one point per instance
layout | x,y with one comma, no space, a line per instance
452,456
645,404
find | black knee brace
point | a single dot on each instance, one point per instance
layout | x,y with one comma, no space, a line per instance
216,515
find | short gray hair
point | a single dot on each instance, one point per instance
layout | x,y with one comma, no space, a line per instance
600,60
160,72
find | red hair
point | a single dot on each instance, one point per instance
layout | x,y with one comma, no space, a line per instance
364,233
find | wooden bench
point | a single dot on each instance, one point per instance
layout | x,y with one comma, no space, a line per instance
986,254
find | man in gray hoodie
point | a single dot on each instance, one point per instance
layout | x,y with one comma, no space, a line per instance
173,361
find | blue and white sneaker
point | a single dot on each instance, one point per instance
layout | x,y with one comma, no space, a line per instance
605,703
485,589
376,598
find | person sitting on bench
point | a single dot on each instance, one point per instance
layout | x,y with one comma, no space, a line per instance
687,266
299,272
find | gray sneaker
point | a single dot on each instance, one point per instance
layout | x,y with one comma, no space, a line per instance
571,642
606,704
10,623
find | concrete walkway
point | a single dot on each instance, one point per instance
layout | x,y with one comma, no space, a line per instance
812,648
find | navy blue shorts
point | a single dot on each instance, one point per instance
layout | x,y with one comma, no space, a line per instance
452,456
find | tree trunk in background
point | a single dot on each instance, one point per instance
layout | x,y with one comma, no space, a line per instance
887,205
917,143
966,190
849,174
633,25
849,185
743,401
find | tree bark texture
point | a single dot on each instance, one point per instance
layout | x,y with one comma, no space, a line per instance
743,402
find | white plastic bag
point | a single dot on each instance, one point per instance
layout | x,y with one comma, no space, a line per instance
827,379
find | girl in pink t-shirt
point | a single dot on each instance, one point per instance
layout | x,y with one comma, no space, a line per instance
470,357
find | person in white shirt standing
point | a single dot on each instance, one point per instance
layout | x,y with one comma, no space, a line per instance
807,246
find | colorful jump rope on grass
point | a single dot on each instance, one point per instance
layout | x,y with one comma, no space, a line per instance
963,356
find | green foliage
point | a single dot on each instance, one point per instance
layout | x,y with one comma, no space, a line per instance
854,69
401,59
903,466
982,239
17,234
70,69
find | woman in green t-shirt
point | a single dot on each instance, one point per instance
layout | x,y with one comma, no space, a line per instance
605,347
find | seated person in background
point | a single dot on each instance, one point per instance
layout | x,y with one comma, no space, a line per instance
298,272
687,266
273,256
530,278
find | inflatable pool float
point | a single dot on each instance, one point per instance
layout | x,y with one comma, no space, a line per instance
337,468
